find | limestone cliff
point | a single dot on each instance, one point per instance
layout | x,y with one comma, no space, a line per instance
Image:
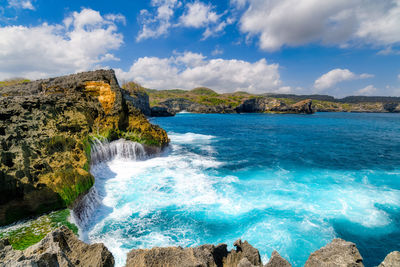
46,129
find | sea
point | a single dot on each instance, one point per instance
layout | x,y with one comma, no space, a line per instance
284,182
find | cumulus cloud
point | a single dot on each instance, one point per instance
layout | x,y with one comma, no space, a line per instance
157,24
188,70
165,16
368,90
279,23
23,4
335,76
83,40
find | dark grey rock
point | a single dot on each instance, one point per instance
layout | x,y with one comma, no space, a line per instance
159,111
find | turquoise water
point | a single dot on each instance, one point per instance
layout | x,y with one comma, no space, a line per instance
284,182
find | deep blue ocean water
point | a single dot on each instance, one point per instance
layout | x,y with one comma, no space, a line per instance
289,183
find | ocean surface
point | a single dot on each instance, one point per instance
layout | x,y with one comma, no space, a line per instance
289,183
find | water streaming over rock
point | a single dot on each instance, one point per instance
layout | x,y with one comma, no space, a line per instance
102,151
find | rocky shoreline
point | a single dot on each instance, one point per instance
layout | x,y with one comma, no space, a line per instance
62,248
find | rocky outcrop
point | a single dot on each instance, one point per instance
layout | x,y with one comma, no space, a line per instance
273,105
160,111
59,248
206,255
338,253
391,260
182,104
46,129
276,260
139,99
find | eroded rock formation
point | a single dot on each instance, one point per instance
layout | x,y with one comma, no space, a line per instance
202,256
338,253
59,248
46,128
273,105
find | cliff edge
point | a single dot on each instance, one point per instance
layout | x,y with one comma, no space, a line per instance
46,131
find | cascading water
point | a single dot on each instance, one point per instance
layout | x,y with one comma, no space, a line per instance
102,151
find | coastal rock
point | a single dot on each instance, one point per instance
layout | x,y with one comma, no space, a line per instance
159,111
338,253
206,255
273,105
182,104
304,106
46,128
59,248
276,260
391,260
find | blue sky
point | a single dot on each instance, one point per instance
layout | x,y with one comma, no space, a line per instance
336,47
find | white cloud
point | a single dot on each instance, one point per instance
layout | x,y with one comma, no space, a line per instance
335,76
189,70
156,25
217,51
23,4
368,90
165,16
198,15
84,40
340,22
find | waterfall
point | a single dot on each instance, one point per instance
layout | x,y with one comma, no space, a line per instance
84,208
102,151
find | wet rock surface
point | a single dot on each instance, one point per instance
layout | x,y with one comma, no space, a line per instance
59,248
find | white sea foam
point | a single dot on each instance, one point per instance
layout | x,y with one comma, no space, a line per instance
272,208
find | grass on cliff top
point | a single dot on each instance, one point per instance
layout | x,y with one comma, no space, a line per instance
32,231
13,81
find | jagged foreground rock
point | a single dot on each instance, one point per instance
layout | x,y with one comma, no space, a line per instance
59,248
46,128
207,255
62,248
391,260
338,253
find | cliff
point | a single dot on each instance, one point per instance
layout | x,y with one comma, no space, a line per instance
46,130
205,100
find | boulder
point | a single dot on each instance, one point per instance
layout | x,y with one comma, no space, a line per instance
338,253
276,260
391,260
59,248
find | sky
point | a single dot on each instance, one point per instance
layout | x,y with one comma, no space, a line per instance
334,47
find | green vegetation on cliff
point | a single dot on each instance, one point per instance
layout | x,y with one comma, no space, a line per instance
29,233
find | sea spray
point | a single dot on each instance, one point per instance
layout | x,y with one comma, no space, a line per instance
102,151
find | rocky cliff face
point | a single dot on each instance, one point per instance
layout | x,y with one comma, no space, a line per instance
273,105
182,104
253,105
59,248
46,128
